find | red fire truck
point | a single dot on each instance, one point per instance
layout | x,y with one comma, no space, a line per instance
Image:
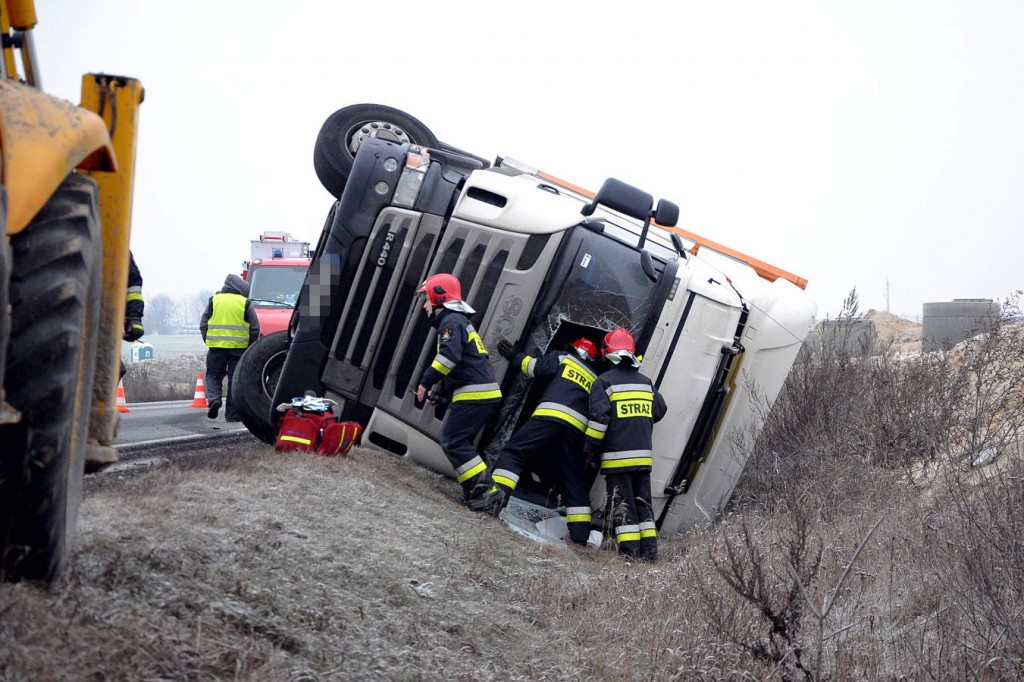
275,272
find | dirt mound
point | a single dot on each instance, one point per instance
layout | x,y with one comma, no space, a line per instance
904,334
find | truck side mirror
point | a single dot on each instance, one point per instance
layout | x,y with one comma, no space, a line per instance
666,214
621,197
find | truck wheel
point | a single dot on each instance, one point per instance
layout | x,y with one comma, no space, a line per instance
54,297
345,129
255,380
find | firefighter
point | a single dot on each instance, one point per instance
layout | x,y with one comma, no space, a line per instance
228,325
624,406
134,305
466,378
553,436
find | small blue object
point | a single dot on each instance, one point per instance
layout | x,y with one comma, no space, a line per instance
278,253
141,351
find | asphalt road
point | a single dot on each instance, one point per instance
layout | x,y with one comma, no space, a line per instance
168,422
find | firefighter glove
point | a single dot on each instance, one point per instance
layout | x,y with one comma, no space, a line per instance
435,398
505,349
133,329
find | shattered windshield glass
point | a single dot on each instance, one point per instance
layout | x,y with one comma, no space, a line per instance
606,288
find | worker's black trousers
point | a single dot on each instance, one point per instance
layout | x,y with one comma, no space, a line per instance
221,362
552,448
631,512
463,422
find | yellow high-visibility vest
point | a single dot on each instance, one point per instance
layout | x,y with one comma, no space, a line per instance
227,327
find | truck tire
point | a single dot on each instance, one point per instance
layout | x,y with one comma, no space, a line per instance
344,130
54,297
255,380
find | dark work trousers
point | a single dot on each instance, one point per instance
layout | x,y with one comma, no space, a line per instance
631,512
220,363
461,425
544,445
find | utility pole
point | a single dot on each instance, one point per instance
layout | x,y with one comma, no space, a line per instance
886,294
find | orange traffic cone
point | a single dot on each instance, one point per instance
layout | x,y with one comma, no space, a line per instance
200,397
122,404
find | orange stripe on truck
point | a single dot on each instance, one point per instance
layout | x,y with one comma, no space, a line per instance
765,270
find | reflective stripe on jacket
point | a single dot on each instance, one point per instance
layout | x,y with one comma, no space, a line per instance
227,326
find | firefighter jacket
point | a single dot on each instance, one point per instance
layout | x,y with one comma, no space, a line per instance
624,406
566,396
229,321
462,364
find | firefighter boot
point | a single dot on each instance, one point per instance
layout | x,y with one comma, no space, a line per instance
476,487
491,502
629,548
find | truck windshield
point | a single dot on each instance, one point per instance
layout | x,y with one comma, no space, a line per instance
605,288
275,286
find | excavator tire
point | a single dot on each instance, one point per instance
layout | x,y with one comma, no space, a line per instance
254,382
54,297
341,133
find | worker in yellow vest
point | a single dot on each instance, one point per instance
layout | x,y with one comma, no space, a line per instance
228,325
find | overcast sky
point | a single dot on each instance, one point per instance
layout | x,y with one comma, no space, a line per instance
853,143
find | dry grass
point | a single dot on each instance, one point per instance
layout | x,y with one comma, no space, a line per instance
253,565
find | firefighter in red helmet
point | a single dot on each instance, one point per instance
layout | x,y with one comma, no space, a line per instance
463,371
552,439
624,406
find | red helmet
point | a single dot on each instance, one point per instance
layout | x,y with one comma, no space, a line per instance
617,340
441,288
585,348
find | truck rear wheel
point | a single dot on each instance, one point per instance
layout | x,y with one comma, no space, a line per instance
345,129
54,297
255,380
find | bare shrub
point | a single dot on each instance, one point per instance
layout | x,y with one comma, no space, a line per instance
940,592
770,627
889,410
977,548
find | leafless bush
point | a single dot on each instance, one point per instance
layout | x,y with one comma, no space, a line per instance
977,548
940,591
890,410
774,636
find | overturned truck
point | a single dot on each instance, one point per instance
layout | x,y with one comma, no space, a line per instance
542,262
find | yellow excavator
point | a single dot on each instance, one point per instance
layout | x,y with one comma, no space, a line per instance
67,177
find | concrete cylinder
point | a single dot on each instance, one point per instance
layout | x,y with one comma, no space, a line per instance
946,324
